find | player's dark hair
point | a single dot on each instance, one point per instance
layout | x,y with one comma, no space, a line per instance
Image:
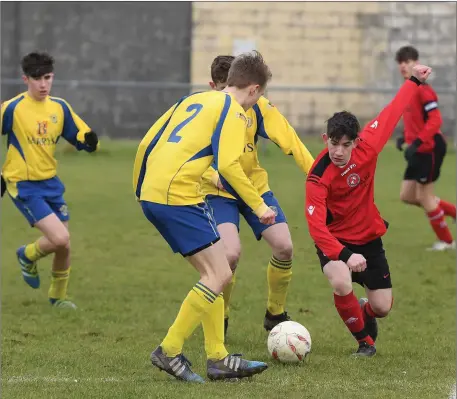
37,64
248,69
220,68
406,53
343,124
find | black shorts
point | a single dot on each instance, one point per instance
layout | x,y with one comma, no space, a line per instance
377,274
425,168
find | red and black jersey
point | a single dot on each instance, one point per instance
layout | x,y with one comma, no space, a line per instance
422,118
340,200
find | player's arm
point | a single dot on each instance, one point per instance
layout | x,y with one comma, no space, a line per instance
228,144
3,184
316,216
146,146
377,132
3,108
434,121
76,131
272,125
213,175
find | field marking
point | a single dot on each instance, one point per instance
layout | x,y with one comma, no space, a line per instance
453,393
22,379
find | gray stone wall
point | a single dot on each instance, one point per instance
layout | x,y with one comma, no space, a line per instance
145,41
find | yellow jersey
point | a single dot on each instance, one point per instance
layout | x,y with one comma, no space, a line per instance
266,121
33,129
200,129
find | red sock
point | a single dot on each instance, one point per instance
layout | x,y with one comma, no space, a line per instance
448,208
368,311
439,225
350,312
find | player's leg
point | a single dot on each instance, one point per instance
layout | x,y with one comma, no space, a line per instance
448,208
408,191
377,305
38,213
279,269
213,270
232,245
378,286
346,304
227,216
59,236
430,167
279,273
435,214
192,231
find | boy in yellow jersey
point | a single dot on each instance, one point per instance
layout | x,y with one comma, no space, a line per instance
200,129
264,120
33,123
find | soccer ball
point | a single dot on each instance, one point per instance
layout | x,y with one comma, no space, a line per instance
289,342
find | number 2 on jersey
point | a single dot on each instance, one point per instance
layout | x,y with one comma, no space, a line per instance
195,108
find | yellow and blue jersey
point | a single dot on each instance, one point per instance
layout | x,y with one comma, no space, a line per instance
264,120
200,129
33,129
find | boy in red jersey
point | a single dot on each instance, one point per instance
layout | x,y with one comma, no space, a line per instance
343,219
425,153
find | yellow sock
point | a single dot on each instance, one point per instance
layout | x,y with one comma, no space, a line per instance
33,252
228,294
199,300
279,274
213,328
59,284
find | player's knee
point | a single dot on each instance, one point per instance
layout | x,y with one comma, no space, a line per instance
283,250
341,287
427,201
381,309
233,256
408,199
225,276
62,240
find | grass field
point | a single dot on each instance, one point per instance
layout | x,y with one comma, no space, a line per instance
128,287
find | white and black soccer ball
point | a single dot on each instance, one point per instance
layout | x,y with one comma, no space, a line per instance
289,342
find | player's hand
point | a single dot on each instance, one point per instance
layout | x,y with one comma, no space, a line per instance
268,217
357,263
219,185
400,142
421,72
91,140
3,185
412,149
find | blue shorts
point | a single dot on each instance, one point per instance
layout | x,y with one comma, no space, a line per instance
187,229
228,210
38,199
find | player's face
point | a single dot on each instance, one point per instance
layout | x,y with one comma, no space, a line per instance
406,67
339,151
217,86
39,88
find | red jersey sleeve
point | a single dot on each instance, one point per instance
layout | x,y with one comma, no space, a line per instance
377,132
432,114
316,215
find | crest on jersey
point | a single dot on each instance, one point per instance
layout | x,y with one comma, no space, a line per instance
353,180
42,128
242,116
249,122
53,118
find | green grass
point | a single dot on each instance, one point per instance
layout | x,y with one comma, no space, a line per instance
129,286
